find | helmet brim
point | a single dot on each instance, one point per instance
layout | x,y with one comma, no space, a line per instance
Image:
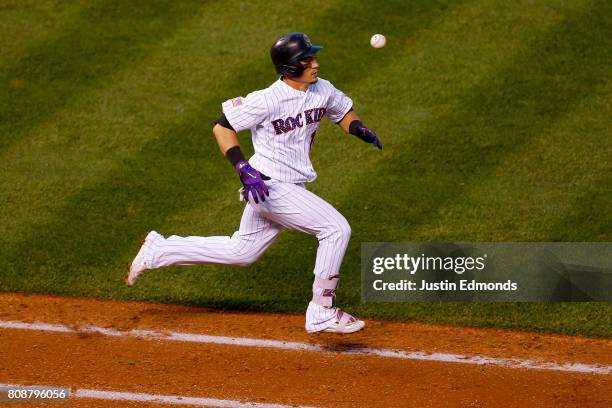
312,51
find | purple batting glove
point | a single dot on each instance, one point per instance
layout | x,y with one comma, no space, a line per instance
367,135
252,181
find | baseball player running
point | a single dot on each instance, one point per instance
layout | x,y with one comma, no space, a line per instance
283,120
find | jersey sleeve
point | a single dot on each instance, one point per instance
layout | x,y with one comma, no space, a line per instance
245,113
338,105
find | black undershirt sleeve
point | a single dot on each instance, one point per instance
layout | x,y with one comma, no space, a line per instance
350,110
224,122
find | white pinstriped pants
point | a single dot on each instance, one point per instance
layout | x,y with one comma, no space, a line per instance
288,206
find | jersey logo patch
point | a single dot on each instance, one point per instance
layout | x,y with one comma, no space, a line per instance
288,124
237,101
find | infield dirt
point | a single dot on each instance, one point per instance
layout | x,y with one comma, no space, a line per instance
96,361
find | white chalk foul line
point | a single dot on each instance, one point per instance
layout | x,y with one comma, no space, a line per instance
160,399
288,345
174,400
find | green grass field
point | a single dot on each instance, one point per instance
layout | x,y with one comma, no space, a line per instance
494,115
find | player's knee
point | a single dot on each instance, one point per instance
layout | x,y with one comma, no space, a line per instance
240,258
339,231
245,256
344,230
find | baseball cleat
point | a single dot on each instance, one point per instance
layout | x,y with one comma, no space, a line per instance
138,265
345,323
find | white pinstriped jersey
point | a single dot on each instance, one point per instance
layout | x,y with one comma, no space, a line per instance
283,123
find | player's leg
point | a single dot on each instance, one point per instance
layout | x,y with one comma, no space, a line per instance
297,208
244,247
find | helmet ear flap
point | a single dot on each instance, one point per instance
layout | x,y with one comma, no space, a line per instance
291,70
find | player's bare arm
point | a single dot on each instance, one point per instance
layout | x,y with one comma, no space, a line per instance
252,180
348,118
226,138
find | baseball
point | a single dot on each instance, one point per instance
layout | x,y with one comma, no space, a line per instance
378,41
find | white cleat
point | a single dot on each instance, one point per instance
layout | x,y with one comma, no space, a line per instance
139,265
345,323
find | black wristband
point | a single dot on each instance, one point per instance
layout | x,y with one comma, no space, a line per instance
354,127
235,156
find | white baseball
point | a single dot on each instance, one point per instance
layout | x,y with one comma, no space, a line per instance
378,41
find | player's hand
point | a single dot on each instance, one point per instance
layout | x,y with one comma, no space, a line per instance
367,135
253,182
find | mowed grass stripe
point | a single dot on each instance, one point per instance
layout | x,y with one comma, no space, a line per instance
26,23
106,36
497,117
543,112
101,128
526,201
191,71
415,99
588,217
